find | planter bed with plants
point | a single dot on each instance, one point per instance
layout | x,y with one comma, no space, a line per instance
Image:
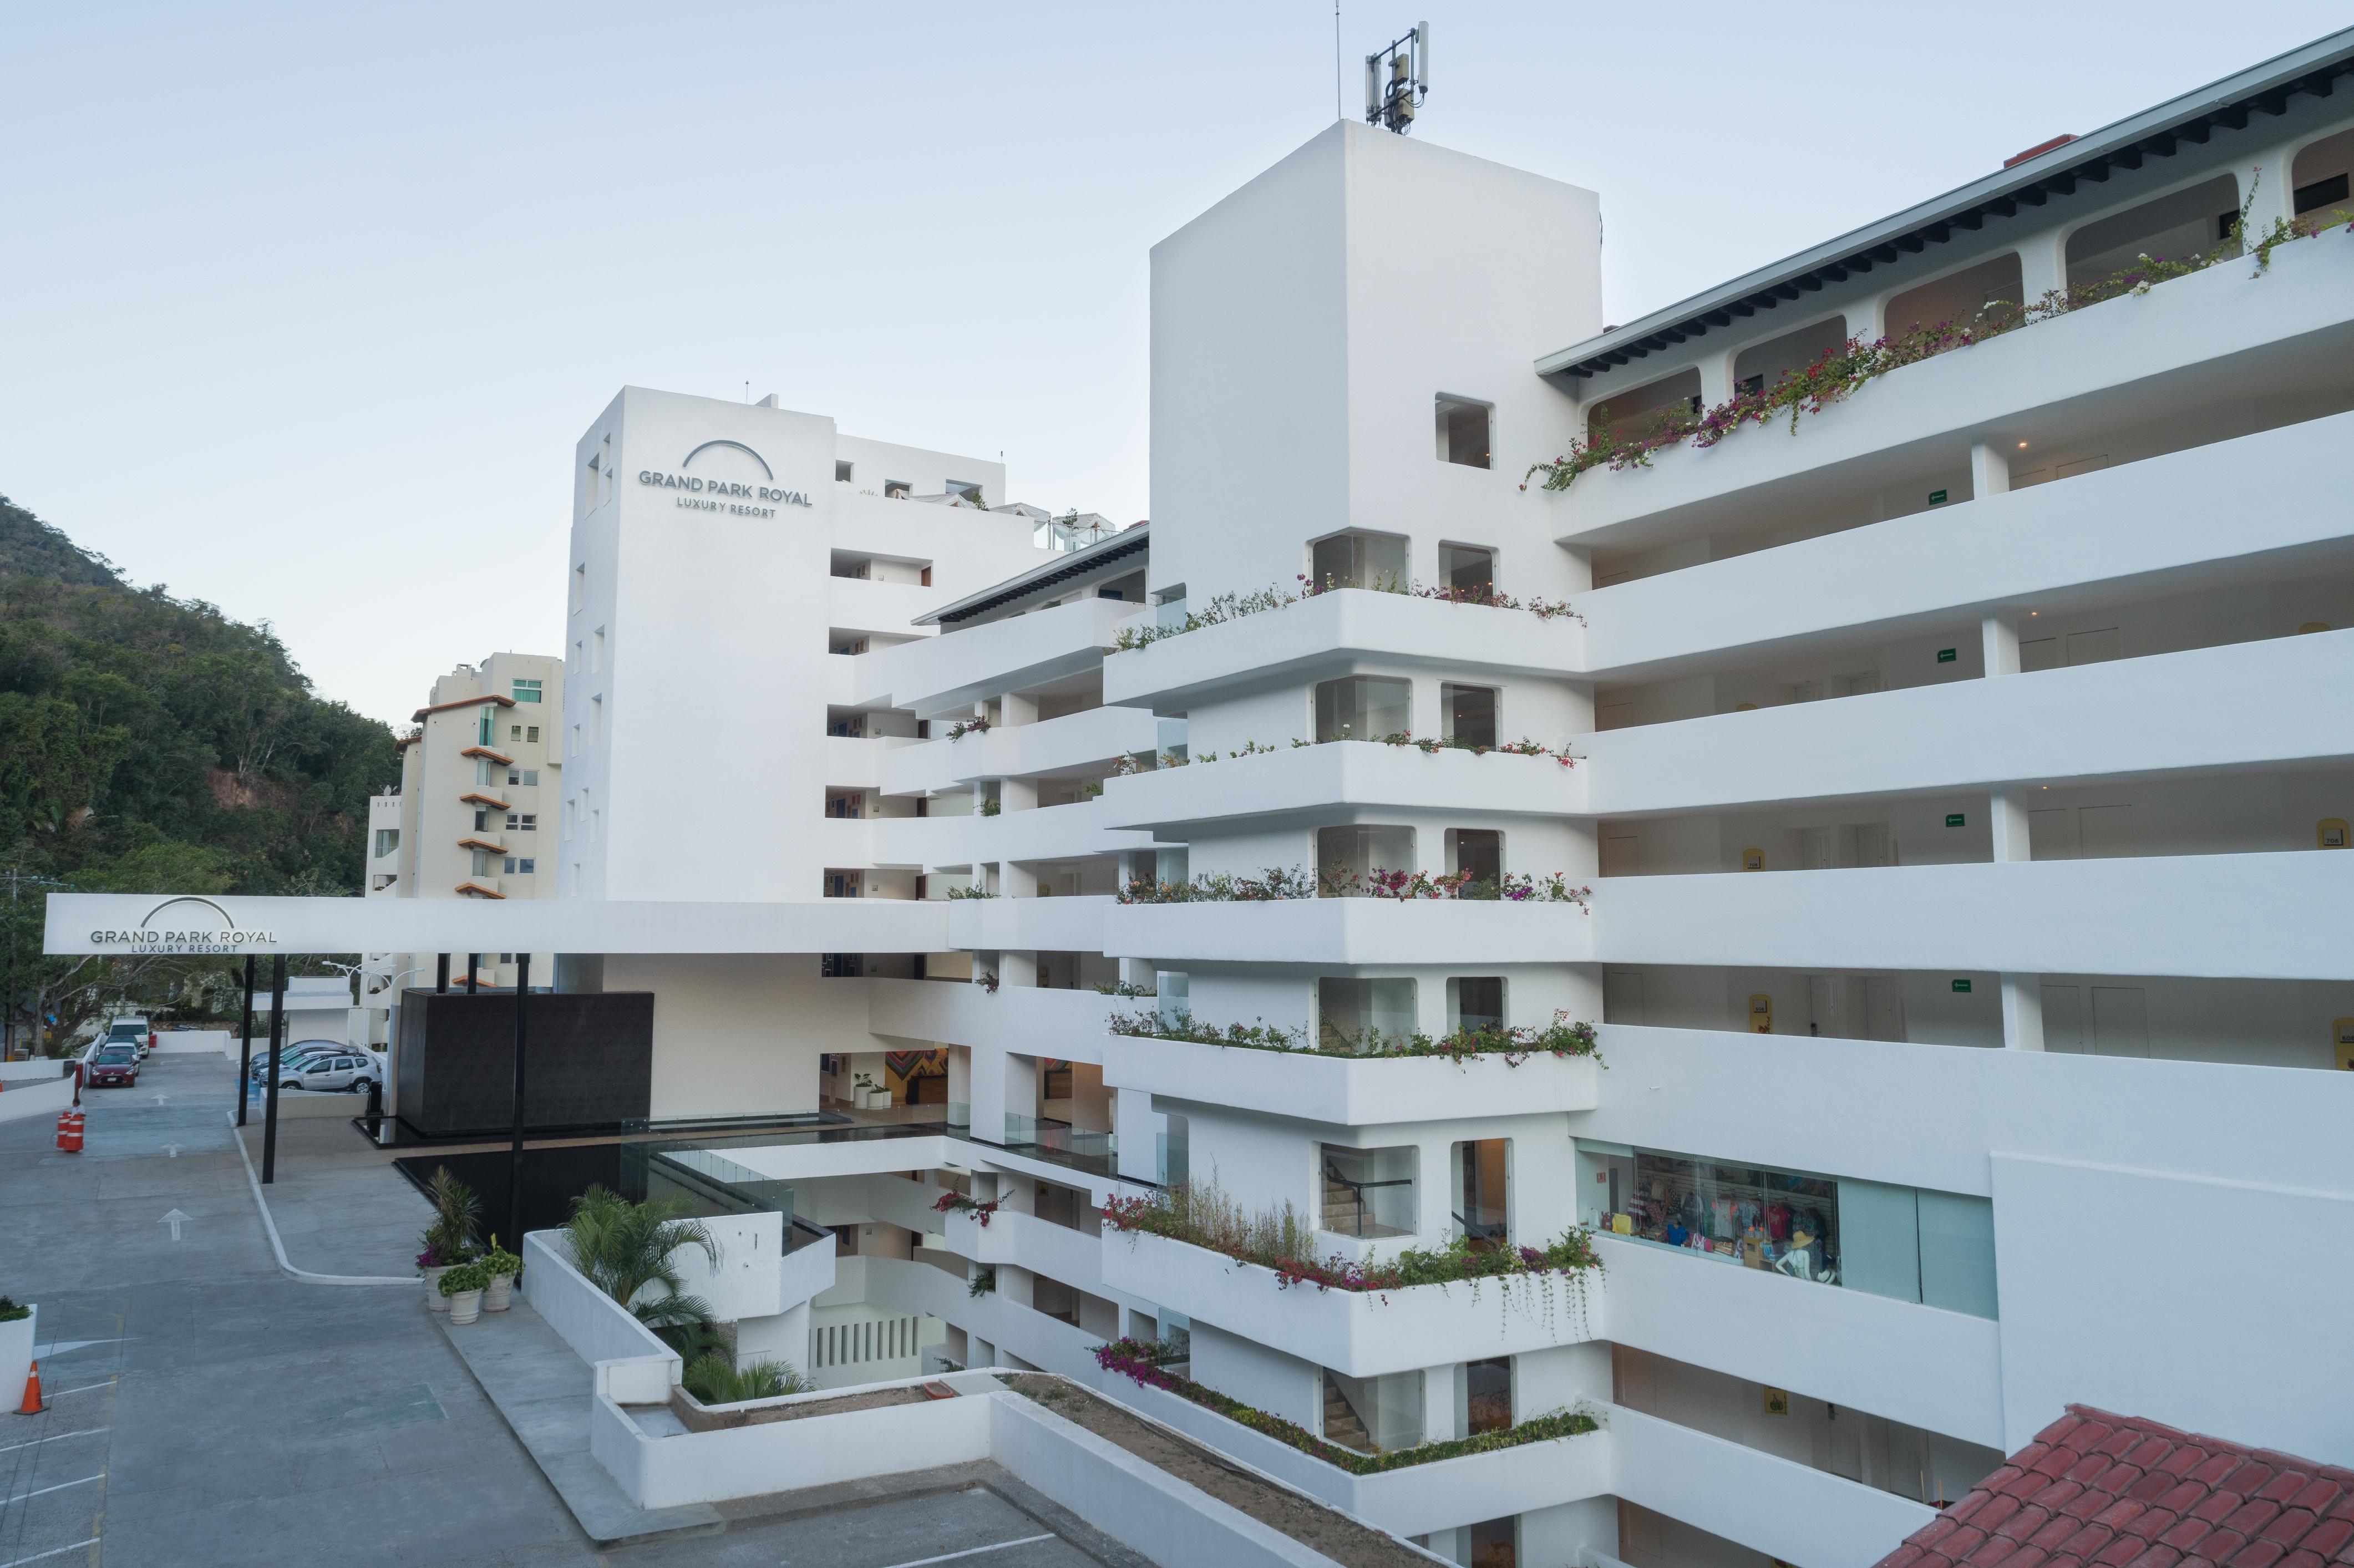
1464,1074
1194,1249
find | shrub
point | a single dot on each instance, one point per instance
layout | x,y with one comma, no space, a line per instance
714,1378
11,1312
463,1278
625,1249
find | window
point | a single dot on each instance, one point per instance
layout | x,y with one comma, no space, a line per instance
2330,192
1348,859
526,691
1479,850
531,775
1462,432
1366,1192
523,821
596,825
926,580
844,805
841,885
1469,714
580,585
481,862
1476,1001
1468,569
482,821
531,732
841,471
514,731
1362,707
596,720
1912,1243
842,965
568,819
596,651
576,740
1359,560
387,841
483,774
1355,1014
1481,1170
523,864
896,490
1487,1397
484,732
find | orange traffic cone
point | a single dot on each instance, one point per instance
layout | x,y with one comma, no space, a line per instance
32,1406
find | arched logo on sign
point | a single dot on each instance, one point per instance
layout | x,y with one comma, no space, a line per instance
699,493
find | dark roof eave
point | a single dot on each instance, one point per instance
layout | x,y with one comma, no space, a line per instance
2264,88
1125,543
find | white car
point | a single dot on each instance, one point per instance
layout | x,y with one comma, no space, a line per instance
355,1071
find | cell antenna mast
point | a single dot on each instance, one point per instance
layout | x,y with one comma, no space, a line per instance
1397,80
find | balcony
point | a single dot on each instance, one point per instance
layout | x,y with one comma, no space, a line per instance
1283,647
2216,341
1775,1506
1298,783
1351,1091
1937,1370
1412,1500
1031,1021
2257,916
871,605
1914,575
1029,925
1074,743
1352,931
937,675
1047,833
1357,1333
2282,702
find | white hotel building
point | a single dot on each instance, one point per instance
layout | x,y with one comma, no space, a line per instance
1957,776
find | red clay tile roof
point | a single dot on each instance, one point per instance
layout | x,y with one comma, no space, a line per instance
461,702
2122,1492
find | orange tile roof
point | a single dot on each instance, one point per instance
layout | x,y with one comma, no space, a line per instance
2115,1490
498,756
477,889
490,800
472,842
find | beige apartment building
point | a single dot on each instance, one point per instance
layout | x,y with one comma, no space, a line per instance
478,777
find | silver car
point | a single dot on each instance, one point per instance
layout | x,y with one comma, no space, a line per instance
353,1070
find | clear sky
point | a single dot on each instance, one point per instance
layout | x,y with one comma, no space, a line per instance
302,307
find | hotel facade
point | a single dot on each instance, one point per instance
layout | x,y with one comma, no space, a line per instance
1955,771
1929,792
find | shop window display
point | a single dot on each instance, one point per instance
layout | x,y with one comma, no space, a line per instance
1757,1217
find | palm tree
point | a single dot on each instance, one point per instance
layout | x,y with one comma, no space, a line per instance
713,1379
456,1217
625,1248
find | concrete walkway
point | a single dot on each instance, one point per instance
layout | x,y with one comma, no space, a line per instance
543,1389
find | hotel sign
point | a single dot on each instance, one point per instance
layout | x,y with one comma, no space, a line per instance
701,494
184,924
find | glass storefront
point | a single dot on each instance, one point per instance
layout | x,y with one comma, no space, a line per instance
1912,1243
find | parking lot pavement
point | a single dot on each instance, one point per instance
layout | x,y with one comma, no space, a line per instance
204,1408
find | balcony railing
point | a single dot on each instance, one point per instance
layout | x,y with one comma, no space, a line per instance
1063,1144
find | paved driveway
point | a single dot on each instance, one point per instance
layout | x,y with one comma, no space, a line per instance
206,1408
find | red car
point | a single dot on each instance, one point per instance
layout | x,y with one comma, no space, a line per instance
114,1065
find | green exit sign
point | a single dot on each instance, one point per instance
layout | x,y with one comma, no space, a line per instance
1954,819
1961,985
1948,655
1936,498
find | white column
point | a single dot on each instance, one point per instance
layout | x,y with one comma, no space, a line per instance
1715,377
2271,179
2022,1013
1989,470
1439,1403
1140,1128
1863,317
1999,636
2042,265
2022,994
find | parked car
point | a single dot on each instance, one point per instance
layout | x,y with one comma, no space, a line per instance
135,1028
353,1070
113,1064
291,1056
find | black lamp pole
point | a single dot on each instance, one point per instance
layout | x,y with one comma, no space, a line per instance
441,972
472,962
244,1045
277,1034
515,1144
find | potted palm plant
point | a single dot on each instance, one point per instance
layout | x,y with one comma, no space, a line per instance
625,1250
500,1268
461,1286
452,1238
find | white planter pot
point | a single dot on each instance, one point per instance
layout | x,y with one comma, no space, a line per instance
875,1099
501,1294
16,1358
434,1301
465,1306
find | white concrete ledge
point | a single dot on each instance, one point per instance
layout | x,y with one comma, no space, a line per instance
1352,1091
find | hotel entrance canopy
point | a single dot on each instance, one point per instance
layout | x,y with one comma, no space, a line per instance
134,924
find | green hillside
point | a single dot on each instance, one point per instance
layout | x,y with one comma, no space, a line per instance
151,743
